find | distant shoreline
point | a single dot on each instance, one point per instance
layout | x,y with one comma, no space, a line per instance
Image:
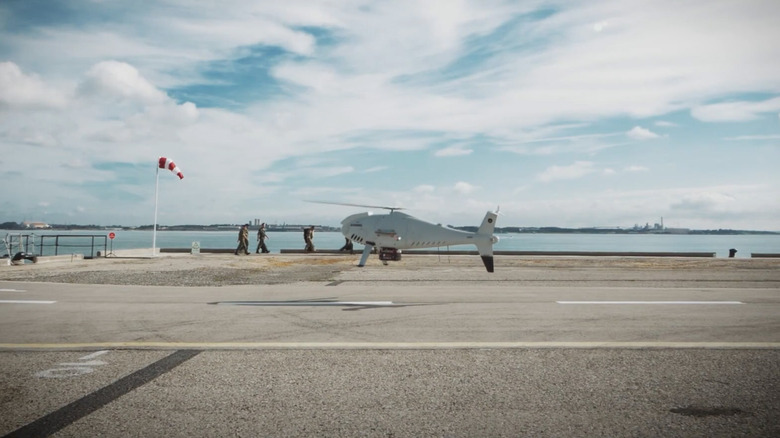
498,230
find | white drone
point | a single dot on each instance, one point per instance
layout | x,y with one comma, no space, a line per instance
394,232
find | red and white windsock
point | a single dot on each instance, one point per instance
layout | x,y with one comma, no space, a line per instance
166,163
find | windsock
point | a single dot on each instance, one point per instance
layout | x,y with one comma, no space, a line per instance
165,163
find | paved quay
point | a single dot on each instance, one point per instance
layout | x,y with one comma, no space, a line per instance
302,345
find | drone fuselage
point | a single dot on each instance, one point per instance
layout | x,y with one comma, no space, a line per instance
401,231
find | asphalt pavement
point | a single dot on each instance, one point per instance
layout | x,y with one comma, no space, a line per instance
443,351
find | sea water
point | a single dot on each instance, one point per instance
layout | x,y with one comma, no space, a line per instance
85,241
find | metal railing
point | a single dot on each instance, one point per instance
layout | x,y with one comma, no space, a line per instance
56,244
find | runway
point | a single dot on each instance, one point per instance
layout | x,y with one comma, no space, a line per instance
375,353
369,313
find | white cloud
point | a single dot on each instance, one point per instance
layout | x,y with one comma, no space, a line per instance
538,87
639,133
665,124
574,171
424,188
738,111
119,80
18,90
706,207
753,137
570,144
702,200
636,168
598,27
464,188
233,30
29,135
76,163
327,172
454,151
171,114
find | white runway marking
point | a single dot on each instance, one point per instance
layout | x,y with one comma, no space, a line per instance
12,290
94,355
650,302
25,302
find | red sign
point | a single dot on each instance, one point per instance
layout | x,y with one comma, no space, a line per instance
111,235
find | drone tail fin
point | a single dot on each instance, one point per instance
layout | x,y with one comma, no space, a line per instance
486,252
485,239
488,224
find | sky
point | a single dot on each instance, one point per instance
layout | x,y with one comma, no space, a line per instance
560,113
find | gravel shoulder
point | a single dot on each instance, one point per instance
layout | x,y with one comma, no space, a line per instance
227,269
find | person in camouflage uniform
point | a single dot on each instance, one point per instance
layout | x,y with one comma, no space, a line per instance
308,235
261,236
243,240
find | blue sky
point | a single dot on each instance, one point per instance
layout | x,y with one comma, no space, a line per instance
564,113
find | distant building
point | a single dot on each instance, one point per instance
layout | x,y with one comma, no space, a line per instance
36,225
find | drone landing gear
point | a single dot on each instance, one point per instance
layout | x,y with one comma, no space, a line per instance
366,252
385,254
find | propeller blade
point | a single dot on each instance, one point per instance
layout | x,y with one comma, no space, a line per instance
357,205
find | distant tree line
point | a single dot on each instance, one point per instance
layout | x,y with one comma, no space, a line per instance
600,230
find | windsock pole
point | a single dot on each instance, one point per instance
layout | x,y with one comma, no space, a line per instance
154,232
162,163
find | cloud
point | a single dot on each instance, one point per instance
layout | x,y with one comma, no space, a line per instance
453,151
76,163
231,30
464,188
704,200
240,91
171,114
327,172
33,136
639,133
303,172
737,111
541,145
753,137
665,124
424,188
598,27
574,171
18,90
636,169
119,80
